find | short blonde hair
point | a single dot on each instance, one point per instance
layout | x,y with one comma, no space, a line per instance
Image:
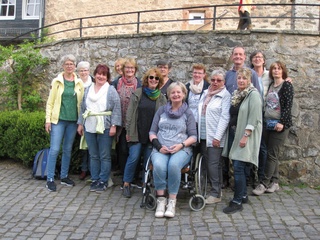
245,72
131,61
120,61
177,84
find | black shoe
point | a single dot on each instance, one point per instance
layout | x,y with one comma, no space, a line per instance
51,186
93,185
233,208
126,192
102,186
245,200
67,181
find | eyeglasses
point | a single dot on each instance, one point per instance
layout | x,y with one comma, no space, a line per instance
153,77
69,64
216,80
258,57
83,71
129,68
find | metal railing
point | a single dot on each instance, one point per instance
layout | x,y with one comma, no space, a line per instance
295,14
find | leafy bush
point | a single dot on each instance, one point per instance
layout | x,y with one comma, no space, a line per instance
22,135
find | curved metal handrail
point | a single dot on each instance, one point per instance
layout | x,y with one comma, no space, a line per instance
138,22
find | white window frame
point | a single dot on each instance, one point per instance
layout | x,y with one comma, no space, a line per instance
9,3
33,5
195,15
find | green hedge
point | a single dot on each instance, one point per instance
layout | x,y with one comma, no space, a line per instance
22,135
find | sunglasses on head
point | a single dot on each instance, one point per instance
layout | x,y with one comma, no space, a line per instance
156,78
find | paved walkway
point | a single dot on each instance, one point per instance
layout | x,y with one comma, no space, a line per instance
29,211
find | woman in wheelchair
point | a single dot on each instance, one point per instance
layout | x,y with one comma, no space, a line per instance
172,133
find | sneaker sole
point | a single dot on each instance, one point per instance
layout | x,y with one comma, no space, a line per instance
238,210
50,190
66,184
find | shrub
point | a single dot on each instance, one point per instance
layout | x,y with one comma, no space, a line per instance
22,135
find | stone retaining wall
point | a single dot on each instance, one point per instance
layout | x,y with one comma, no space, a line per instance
300,51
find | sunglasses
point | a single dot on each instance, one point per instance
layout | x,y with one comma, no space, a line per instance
152,77
216,80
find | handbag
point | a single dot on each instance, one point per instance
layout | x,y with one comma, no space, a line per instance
271,124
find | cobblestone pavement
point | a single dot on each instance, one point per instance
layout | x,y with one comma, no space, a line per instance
29,211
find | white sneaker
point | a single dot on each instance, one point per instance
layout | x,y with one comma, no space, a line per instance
273,188
212,200
161,207
260,189
171,208
110,182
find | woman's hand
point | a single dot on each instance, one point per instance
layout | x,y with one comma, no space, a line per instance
215,143
112,131
80,129
279,127
175,148
243,141
48,127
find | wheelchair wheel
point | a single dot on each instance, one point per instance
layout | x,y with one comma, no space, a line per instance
150,202
200,176
197,202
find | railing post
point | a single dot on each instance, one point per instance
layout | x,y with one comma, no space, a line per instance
80,27
293,17
138,22
214,18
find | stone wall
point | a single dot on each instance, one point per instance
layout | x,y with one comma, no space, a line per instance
86,8
300,156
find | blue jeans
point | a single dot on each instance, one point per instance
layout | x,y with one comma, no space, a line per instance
133,160
167,170
66,131
85,166
99,146
240,186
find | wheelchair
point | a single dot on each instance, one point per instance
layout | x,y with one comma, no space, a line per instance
193,179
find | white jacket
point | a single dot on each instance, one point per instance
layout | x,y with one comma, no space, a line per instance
217,116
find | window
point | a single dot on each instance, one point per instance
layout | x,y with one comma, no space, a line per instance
31,9
7,9
198,17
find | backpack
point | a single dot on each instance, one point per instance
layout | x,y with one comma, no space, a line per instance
39,170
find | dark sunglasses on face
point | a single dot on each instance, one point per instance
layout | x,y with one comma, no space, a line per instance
216,80
156,78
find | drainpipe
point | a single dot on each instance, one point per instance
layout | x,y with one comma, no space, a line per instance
41,17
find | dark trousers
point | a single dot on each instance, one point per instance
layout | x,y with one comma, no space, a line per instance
245,20
274,140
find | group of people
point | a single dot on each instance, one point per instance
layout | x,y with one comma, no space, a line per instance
237,119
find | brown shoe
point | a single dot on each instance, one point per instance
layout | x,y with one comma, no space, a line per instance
83,175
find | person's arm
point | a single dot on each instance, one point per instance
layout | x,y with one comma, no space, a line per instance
286,102
115,118
254,116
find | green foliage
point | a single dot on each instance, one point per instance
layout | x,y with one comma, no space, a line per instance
22,135
21,76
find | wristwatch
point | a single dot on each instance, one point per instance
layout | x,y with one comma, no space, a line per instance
183,145
246,134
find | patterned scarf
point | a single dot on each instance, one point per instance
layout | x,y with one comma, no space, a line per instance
238,96
152,94
125,88
196,89
210,94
